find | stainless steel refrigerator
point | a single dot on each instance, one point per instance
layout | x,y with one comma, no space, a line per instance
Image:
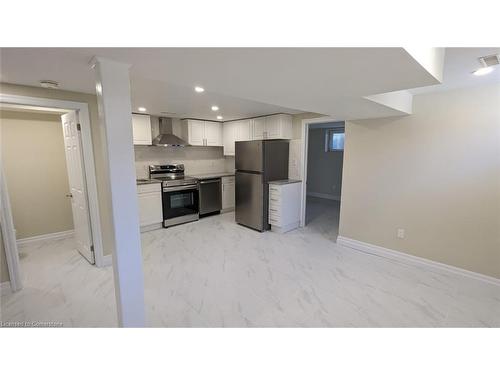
257,163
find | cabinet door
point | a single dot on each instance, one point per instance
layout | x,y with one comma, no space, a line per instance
259,128
229,135
196,132
141,129
228,193
150,208
286,127
244,130
213,133
273,127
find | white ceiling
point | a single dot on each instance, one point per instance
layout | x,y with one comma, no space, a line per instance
459,63
331,81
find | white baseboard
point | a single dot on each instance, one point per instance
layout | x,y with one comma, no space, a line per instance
412,260
147,228
44,237
324,196
5,288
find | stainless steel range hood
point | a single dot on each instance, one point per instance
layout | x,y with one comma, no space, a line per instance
167,138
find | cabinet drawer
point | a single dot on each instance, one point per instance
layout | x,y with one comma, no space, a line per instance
274,220
228,180
274,213
274,200
273,189
274,194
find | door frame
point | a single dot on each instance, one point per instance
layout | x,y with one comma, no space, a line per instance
303,159
89,166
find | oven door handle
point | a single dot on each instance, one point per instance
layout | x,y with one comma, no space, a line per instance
179,188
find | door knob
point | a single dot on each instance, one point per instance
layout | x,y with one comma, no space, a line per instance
69,195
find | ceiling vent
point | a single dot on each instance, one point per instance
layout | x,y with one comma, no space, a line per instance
490,60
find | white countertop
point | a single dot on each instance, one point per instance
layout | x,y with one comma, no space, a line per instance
284,182
204,176
146,181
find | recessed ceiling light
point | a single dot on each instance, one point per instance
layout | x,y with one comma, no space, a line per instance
142,109
199,89
215,108
219,117
48,84
483,71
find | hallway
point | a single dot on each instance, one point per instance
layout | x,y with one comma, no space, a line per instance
322,216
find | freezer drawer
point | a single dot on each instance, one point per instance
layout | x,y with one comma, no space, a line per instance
250,210
249,156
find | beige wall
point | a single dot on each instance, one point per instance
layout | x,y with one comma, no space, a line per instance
4,271
34,164
298,129
435,173
324,169
98,138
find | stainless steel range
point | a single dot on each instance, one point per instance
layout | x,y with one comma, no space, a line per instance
180,194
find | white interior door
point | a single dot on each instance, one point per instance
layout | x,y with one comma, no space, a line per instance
78,192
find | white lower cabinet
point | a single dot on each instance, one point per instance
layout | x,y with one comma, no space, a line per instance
284,205
150,205
228,193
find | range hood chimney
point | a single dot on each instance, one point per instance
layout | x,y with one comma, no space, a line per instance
166,138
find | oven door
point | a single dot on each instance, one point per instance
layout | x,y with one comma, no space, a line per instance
180,204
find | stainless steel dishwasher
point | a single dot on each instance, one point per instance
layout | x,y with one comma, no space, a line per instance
210,191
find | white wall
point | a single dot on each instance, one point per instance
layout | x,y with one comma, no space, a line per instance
435,173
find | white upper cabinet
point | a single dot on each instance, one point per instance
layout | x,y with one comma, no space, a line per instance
202,133
213,133
229,136
273,127
240,130
141,128
196,132
267,127
244,130
259,128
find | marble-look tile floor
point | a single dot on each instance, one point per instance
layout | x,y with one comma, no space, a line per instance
215,273
322,217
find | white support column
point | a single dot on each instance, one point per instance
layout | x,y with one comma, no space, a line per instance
115,116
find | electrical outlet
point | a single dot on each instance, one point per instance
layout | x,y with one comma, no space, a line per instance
401,233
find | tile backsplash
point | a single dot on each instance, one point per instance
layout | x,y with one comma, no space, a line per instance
195,159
